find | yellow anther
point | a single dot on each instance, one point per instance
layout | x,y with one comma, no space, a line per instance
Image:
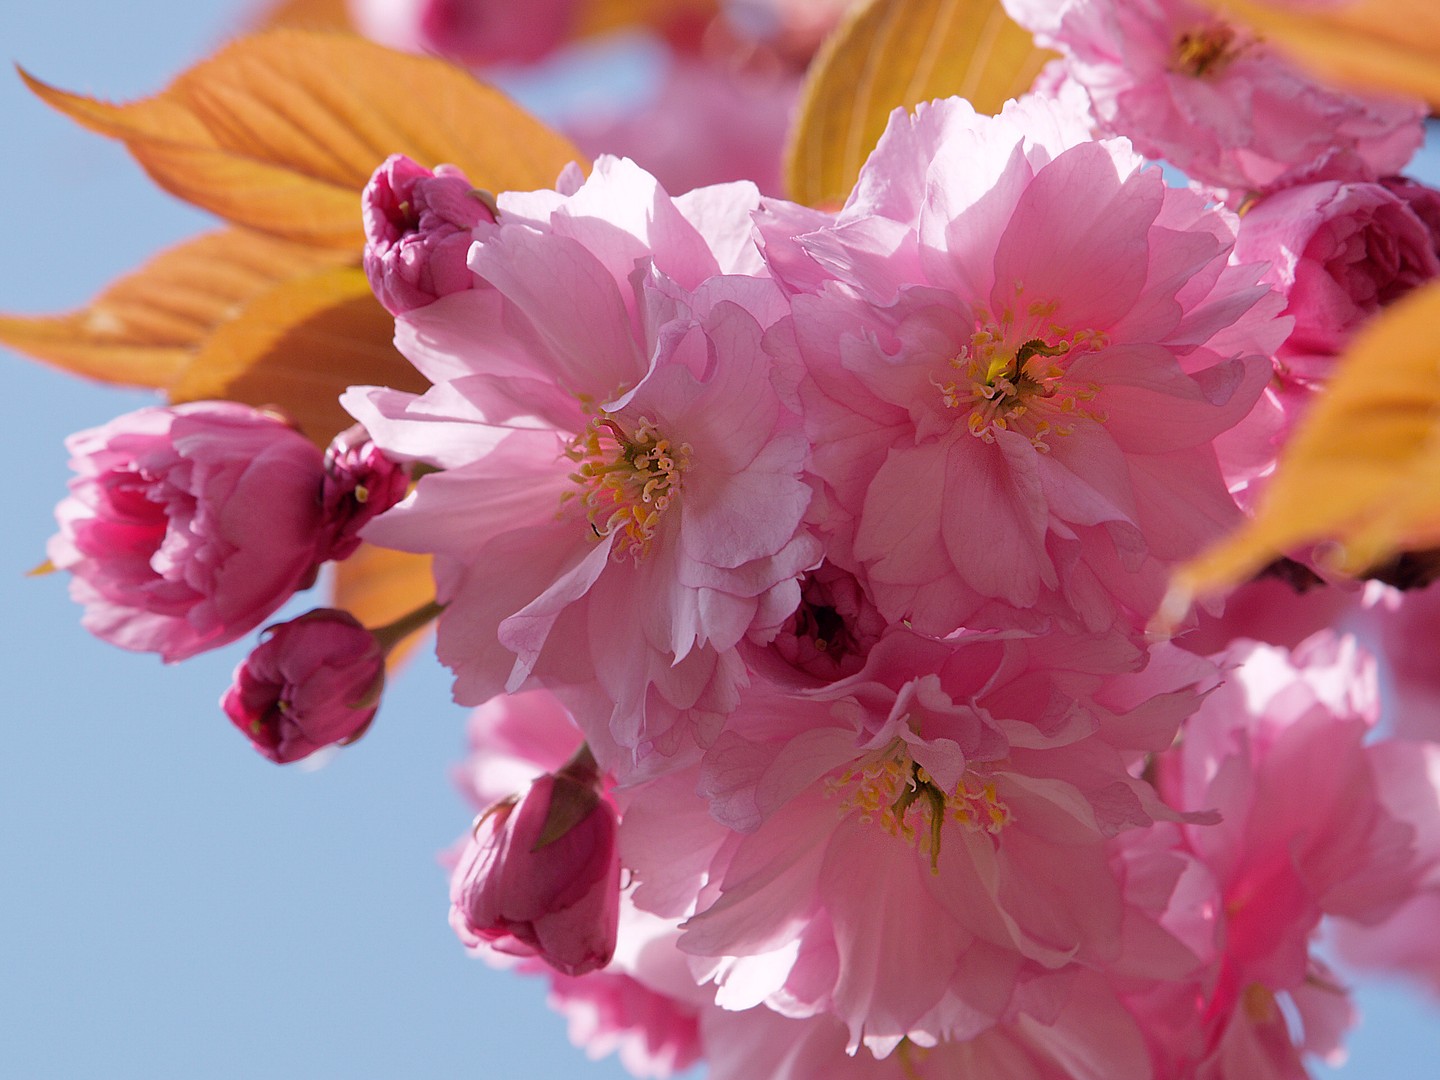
626,481
898,794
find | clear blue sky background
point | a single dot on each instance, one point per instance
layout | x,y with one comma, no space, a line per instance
173,905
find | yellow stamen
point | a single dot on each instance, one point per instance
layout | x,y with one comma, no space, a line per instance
626,481
1205,50
1012,378
891,790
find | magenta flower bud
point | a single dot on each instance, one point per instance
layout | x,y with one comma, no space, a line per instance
360,483
476,33
312,682
540,876
1423,201
1339,252
186,527
418,229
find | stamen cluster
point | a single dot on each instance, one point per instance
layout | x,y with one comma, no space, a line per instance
1022,387
886,787
627,481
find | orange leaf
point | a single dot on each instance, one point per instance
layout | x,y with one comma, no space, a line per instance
889,54
1384,45
297,347
1363,470
145,328
281,130
378,586
594,17
305,15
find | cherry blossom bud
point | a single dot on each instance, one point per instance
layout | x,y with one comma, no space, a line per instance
540,876
471,32
418,229
1423,201
186,527
360,483
312,682
1340,252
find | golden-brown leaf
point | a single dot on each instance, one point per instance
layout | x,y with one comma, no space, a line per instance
892,53
594,17
1363,470
1391,45
297,347
378,586
304,15
145,328
280,131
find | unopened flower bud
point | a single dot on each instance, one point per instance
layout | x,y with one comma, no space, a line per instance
418,229
360,483
540,876
476,33
312,682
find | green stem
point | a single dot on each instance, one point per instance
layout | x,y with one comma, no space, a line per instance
391,634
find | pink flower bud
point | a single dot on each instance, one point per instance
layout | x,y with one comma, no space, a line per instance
1340,252
1423,201
360,483
418,229
540,876
312,682
473,32
188,526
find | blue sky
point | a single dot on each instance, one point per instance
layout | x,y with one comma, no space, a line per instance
174,905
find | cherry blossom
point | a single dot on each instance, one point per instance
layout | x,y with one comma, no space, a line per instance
1012,390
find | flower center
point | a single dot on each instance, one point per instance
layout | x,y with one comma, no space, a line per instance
626,481
1205,50
893,791
832,630
1012,378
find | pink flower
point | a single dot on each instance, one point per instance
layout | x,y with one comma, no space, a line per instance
1408,773
187,526
540,875
1015,373
312,682
1339,252
972,785
1310,827
418,230
653,1034
1280,608
1085,1035
621,501
360,483
1215,102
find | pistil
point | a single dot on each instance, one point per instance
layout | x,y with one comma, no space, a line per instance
892,790
1010,382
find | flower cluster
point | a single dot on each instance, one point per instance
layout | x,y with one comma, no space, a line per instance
802,567
187,526
834,538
